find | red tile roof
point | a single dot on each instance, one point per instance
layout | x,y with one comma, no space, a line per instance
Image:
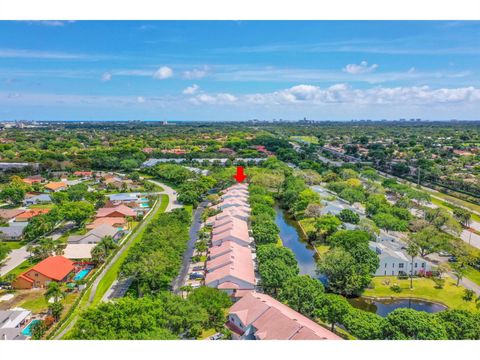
30,213
55,267
122,209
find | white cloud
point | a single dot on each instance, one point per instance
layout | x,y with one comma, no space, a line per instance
217,99
106,76
38,54
163,73
190,90
141,99
195,73
361,68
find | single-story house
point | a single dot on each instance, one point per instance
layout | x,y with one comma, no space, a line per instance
124,198
11,323
260,317
11,233
78,251
56,186
37,199
31,213
53,268
116,211
84,174
35,179
117,222
95,236
10,214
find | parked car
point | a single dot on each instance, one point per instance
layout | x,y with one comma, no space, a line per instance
198,268
196,275
444,254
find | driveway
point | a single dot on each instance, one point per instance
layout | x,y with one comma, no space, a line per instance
196,224
15,258
172,195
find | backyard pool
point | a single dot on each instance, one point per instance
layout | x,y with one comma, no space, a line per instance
81,274
144,205
143,199
28,329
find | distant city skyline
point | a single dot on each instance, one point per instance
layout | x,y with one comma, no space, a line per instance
239,70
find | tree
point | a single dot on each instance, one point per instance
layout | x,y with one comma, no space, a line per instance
4,251
389,222
313,211
274,274
332,309
370,227
55,309
12,194
301,294
103,249
265,232
78,211
460,324
54,291
459,270
214,302
349,216
463,216
429,240
352,195
345,275
326,225
409,324
38,329
363,325
412,251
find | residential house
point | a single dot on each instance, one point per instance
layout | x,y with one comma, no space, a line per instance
95,236
10,214
116,211
11,233
395,261
117,222
56,186
11,323
260,317
53,268
30,213
84,174
78,251
35,179
37,199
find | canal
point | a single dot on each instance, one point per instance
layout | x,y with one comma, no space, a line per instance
291,237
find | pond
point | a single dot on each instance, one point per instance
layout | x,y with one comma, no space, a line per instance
291,238
383,307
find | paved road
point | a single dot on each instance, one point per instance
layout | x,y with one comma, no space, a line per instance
180,280
18,256
172,195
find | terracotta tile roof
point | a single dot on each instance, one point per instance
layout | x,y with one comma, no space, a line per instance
30,213
55,267
122,209
112,221
55,185
276,321
8,214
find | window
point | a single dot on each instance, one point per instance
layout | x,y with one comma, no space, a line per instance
416,265
423,265
393,265
400,266
385,265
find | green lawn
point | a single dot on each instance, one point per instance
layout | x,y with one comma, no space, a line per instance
423,288
473,275
448,206
112,273
456,201
322,249
41,206
24,266
310,139
35,305
12,245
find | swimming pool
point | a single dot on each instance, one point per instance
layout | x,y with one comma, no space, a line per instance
28,329
144,205
81,274
144,199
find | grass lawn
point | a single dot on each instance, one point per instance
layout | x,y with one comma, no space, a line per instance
456,201
12,245
307,224
112,273
473,275
24,266
423,288
36,304
310,139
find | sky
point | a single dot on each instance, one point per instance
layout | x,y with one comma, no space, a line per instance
239,70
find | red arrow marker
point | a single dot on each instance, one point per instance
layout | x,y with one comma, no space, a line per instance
240,176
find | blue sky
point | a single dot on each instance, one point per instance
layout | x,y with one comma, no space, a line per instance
239,70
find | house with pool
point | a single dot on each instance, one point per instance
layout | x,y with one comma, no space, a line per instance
53,268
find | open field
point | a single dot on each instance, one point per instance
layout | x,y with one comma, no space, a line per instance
423,288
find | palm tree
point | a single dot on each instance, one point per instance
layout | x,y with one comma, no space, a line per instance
412,251
103,249
54,290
